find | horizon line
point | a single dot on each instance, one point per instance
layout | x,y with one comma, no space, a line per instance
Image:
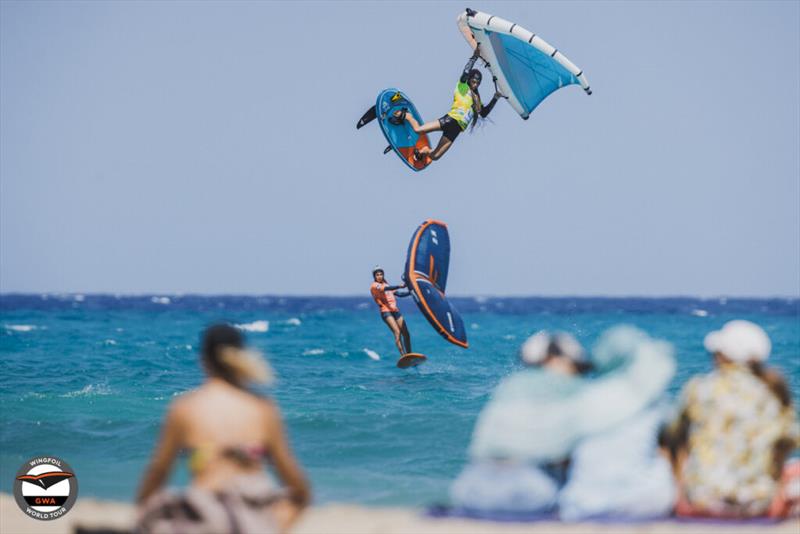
368,297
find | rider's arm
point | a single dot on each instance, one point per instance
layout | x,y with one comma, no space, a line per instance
485,110
470,64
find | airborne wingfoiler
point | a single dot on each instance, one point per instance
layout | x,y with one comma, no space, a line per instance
525,70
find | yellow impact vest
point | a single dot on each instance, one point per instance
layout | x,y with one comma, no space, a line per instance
461,110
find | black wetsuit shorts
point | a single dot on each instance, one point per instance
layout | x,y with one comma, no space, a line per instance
396,315
450,127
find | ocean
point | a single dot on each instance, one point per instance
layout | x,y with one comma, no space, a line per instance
88,378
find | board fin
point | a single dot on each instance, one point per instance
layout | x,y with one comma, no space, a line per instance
369,116
387,149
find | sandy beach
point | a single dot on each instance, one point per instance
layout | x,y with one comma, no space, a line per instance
354,519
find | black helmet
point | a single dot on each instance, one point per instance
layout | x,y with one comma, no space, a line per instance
475,74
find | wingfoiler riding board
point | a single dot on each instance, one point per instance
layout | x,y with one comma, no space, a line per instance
401,137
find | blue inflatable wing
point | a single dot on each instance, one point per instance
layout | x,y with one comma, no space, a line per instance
526,68
425,274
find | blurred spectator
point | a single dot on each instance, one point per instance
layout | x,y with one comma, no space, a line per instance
735,429
228,432
553,438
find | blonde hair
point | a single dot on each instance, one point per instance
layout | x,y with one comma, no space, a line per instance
243,366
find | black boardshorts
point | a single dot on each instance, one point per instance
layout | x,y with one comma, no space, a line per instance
396,315
450,127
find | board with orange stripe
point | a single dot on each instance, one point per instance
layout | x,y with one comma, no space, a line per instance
401,137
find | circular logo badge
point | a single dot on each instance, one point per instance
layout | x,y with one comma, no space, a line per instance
45,488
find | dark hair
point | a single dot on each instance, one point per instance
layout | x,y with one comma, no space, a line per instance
215,338
774,381
376,271
783,446
476,107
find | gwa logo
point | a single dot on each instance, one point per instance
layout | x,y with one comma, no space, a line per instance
45,488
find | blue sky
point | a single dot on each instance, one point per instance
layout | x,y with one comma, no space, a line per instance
211,148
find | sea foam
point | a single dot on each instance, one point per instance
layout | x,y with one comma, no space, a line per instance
20,327
255,326
372,354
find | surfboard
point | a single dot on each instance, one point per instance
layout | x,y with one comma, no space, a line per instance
411,359
401,137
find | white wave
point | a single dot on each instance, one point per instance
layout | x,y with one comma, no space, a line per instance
161,300
474,326
481,300
362,306
294,321
20,327
110,342
313,352
255,326
188,347
509,337
79,298
90,391
699,313
372,354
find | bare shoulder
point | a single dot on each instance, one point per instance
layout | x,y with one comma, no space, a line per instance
268,408
182,405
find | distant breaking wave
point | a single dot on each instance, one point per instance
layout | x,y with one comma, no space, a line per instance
90,391
372,354
255,326
20,327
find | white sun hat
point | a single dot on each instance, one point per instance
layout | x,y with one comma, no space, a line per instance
537,347
739,341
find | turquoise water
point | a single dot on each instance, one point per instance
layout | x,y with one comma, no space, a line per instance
89,378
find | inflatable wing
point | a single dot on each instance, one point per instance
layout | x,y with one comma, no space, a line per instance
426,276
526,67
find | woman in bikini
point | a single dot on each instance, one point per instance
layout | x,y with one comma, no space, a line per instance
229,432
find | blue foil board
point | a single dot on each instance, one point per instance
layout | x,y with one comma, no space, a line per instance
402,138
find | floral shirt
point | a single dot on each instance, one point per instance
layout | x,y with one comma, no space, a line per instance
734,421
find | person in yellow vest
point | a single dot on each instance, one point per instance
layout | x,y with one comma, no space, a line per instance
464,112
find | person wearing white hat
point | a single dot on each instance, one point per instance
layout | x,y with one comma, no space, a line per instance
739,341
508,473
736,427
553,414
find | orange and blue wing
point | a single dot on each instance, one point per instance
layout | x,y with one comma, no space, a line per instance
427,264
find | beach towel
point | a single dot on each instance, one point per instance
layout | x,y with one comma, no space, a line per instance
241,508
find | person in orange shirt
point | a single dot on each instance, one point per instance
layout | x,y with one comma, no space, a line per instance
384,296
